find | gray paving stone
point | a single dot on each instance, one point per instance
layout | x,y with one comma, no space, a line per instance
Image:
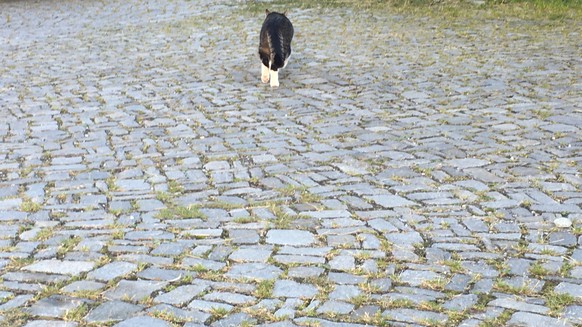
237,319
324,323
405,239
458,282
391,201
569,288
562,238
244,236
181,294
573,313
180,314
34,277
160,274
413,316
203,263
149,235
345,278
516,304
208,306
305,272
461,302
113,311
17,301
417,277
50,323
336,307
55,306
342,263
250,255
255,271
141,321
534,320
82,285
73,268
290,237
289,288
112,270
229,297
133,290
344,292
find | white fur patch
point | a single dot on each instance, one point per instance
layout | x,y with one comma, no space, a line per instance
264,73
274,79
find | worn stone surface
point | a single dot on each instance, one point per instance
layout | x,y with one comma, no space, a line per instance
535,320
133,290
288,288
290,237
55,306
73,268
113,311
407,157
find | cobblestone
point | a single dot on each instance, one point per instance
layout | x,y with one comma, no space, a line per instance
148,178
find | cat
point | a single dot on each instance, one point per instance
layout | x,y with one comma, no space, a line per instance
275,45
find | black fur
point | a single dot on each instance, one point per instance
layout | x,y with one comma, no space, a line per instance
276,36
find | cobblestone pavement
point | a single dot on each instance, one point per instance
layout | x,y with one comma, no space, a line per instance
408,171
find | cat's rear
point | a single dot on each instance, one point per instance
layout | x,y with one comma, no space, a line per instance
275,46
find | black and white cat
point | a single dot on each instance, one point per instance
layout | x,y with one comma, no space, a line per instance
275,46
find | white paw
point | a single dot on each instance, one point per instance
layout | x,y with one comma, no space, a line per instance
274,79
264,74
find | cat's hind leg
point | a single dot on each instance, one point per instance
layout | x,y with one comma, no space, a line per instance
264,73
274,78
